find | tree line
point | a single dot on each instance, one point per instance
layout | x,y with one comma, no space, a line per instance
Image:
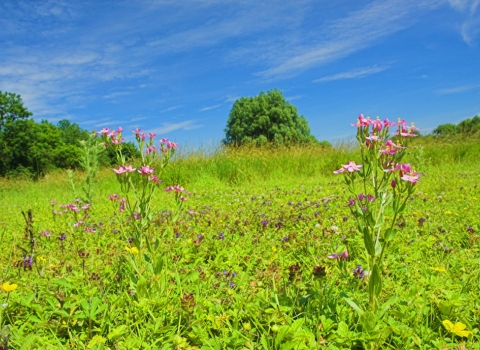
30,149
467,127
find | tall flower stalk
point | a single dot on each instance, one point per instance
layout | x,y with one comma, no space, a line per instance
380,183
138,184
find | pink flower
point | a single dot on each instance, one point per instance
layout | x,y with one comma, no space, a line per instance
152,136
119,130
373,138
352,166
362,121
146,170
150,149
86,206
137,131
405,168
392,168
410,178
176,189
74,208
393,183
117,141
171,145
78,223
137,215
46,233
105,131
155,179
129,168
122,205
163,140
121,170
387,123
377,125
113,197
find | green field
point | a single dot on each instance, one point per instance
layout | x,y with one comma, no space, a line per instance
244,264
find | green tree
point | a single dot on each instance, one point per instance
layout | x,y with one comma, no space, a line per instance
469,126
266,118
11,108
29,147
445,129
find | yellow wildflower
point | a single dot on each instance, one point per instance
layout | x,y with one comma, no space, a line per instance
7,287
132,250
448,212
439,269
458,328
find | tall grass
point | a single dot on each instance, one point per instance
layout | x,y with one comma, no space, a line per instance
218,166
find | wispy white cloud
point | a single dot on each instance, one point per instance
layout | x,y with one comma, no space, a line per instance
209,108
353,74
116,94
470,27
292,98
458,89
169,109
169,127
358,30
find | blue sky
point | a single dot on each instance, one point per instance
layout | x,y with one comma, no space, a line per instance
175,67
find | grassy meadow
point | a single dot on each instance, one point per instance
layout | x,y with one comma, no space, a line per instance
245,264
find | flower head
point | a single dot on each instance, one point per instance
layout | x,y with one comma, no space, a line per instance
359,272
7,287
350,167
146,170
458,328
132,250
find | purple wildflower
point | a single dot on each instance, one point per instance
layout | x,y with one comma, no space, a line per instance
359,272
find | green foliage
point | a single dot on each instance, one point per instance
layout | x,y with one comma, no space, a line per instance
29,145
466,127
11,108
266,118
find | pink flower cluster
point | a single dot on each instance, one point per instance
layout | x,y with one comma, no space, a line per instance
407,173
350,167
377,126
114,136
124,169
177,189
167,145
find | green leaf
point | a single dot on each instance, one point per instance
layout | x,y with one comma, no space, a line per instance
61,282
378,248
354,305
117,332
375,283
390,234
386,305
368,321
368,241
141,287
158,265
342,329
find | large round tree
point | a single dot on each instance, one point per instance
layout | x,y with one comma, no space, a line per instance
266,118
